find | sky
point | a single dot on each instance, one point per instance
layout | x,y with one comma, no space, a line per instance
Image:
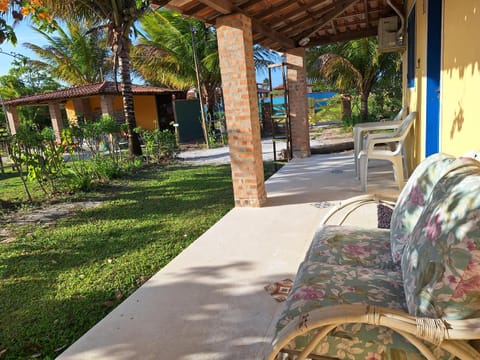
25,33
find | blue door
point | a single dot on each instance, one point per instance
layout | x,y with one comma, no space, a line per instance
434,52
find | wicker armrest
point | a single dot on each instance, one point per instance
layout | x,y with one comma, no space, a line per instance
449,335
353,203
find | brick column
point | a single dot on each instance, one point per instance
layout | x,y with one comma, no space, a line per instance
13,121
297,99
235,47
56,117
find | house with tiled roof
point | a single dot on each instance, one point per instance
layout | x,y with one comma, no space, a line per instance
153,105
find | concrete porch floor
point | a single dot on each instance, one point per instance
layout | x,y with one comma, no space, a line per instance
210,302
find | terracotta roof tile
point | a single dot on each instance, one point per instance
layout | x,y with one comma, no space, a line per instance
104,88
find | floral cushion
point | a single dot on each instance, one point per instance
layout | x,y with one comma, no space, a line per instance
413,198
441,262
318,285
351,245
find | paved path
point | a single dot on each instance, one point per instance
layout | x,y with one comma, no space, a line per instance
221,155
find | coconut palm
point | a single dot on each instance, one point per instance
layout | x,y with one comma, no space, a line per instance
164,53
118,18
355,64
76,55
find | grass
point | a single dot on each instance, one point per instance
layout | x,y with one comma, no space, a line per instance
57,281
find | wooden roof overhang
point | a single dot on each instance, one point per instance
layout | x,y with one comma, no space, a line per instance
285,24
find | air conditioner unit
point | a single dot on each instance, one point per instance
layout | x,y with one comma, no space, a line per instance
388,40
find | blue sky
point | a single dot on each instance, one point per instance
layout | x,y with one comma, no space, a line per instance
25,33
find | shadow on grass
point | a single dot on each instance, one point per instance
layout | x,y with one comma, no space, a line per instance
55,281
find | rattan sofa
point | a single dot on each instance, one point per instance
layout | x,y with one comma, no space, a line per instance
410,292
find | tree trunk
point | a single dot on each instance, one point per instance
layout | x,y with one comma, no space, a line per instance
211,102
134,147
364,106
346,105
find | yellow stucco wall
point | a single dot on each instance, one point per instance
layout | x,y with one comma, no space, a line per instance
460,78
415,96
145,112
145,109
460,102
70,110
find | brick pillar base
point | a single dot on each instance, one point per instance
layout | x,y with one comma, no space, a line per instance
235,47
298,103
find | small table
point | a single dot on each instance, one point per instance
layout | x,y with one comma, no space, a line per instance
360,130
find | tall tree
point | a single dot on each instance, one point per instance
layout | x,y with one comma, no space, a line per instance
164,53
355,64
27,79
76,55
118,18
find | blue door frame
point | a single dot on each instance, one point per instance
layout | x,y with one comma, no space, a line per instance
434,52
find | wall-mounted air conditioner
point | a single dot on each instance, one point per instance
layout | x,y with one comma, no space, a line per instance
388,38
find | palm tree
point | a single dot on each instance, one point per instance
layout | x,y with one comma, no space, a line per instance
164,53
355,64
118,18
75,56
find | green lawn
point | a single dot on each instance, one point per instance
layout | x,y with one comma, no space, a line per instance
56,282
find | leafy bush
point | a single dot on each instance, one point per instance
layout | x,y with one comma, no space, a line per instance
38,157
159,145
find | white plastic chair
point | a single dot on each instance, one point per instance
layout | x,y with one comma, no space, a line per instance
362,129
396,156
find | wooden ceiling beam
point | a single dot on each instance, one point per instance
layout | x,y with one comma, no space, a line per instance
274,9
224,7
365,5
195,9
343,37
340,7
284,41
159,3
227,7
311,18
303,8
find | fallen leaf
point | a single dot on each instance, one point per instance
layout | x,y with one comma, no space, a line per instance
118,295
2,352
108,303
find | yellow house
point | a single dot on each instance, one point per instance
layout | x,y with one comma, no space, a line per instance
153,105
442,75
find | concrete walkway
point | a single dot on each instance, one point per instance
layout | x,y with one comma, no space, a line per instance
221,155
210,302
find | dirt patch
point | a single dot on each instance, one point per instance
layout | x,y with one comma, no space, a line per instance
44,216
331,135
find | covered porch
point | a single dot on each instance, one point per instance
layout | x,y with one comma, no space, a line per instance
210,302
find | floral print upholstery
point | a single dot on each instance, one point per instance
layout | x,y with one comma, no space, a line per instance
413,198
318,285
441,262
438,243
352,245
